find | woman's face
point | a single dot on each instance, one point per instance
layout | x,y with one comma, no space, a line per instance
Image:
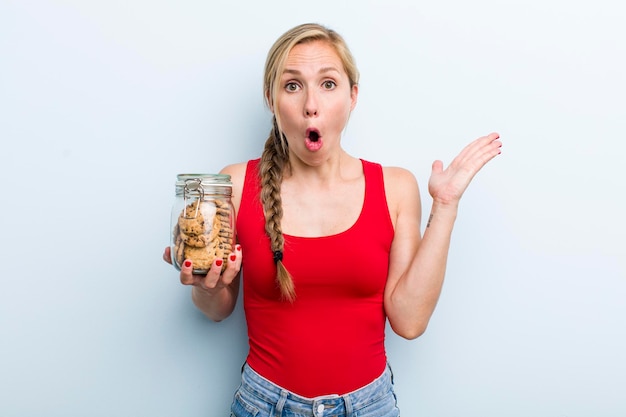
314,101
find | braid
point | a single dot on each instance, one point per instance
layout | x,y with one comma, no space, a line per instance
274,160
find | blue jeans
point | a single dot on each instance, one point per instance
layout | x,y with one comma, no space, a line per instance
258,397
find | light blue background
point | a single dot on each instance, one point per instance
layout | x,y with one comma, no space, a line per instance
102,103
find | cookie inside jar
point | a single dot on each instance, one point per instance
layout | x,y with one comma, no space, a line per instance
202,224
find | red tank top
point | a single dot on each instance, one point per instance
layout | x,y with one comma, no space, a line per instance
331,339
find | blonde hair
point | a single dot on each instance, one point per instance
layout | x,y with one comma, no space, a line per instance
275,157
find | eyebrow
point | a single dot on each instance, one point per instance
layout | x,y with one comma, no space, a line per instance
321,71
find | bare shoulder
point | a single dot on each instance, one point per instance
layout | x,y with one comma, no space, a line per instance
237,174
399,180
401,189
398,174
236,171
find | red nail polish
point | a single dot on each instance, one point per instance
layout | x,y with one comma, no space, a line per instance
233,257
187,264
238,248
218,262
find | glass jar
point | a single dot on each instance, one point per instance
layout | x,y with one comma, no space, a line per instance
202,221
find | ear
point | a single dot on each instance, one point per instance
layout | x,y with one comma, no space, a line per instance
353,96
268,100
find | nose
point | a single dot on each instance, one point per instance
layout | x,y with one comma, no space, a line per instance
311,105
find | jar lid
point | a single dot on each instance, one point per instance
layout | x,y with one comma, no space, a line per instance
201,184
217,179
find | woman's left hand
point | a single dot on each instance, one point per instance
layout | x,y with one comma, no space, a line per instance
447,186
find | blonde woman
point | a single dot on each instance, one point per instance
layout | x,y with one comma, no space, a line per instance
330,244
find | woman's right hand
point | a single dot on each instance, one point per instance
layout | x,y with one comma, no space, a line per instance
216,279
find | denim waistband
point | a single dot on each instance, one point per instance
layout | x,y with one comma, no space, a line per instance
355,400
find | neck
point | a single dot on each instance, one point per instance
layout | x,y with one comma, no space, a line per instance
339,167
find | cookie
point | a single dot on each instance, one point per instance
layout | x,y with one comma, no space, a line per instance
179,248
204,233
197,241
202,258
191,219
191,226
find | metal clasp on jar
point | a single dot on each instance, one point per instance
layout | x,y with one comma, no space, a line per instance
192,185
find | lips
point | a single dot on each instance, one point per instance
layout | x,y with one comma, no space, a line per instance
313,141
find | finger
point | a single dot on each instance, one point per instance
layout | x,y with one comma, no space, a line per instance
493,136
490,144
437,167
492,141
186,273
489,153
167,255
482,141
480,157
233,265
477,148
212,278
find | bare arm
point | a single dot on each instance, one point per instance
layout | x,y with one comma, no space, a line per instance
418,264
215,294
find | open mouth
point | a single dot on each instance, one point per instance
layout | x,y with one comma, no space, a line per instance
313,135
313,141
